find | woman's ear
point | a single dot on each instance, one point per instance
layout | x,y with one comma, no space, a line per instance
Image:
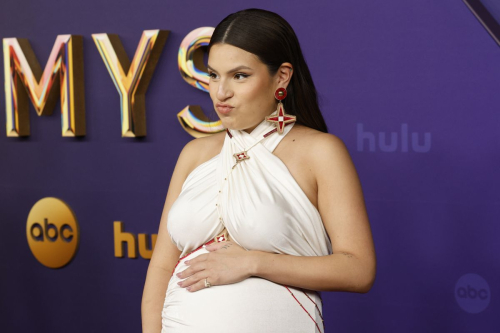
284,74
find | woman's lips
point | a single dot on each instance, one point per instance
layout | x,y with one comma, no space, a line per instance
224,109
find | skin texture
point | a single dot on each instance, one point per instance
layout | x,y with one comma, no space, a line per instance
329,176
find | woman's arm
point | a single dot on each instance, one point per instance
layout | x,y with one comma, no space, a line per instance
165,254
336,272
352,265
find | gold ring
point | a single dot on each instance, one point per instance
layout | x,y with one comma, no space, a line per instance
207,284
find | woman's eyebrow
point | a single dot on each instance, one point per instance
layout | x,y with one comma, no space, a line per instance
232,70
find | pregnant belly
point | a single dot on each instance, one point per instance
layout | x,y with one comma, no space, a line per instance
252,305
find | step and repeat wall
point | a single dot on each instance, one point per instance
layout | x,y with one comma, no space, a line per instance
101,96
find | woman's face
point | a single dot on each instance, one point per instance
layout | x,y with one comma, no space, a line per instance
241,88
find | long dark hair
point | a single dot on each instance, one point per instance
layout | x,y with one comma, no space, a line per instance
271,38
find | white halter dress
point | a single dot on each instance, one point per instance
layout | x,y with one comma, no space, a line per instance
263,208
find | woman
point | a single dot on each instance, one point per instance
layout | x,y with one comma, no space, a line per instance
266,213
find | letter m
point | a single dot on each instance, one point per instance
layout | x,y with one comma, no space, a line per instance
62,77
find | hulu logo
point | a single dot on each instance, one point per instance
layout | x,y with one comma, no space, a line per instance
393,141
145,247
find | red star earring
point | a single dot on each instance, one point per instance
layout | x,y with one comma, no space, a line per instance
281,119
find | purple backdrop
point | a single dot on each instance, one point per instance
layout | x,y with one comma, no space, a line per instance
410,86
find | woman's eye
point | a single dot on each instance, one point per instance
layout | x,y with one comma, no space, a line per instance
241,75
211,75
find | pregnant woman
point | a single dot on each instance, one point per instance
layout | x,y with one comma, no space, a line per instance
260,217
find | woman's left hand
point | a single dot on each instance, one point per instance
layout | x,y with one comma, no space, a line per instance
226,263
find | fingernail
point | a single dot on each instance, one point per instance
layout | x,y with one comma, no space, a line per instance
179,283
186,261
189,288
178,274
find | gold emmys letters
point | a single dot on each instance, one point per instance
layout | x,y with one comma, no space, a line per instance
132,79
62,77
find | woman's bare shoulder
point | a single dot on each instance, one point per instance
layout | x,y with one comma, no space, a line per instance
319,147
200,150
315,140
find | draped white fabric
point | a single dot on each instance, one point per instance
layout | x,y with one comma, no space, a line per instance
263,208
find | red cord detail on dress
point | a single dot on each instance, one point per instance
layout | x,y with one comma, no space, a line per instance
314,305
268,133
317,326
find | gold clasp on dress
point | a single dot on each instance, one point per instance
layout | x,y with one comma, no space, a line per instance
223,236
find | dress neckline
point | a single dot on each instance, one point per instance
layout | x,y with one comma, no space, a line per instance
258,131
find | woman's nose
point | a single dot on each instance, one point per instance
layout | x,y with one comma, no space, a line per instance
224,92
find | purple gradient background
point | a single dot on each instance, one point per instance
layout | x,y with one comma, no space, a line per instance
434,215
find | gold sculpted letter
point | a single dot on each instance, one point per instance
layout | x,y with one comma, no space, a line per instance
132,79
62,76
193,71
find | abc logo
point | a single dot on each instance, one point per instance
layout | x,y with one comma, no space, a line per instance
52,232
472,293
